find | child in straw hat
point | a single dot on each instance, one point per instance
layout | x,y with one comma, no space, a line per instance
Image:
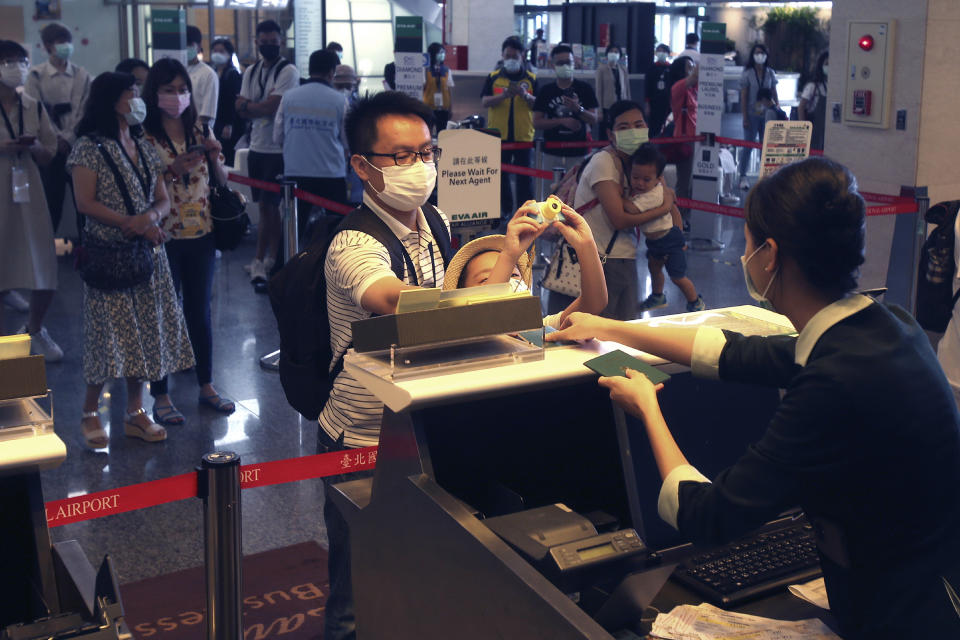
503,258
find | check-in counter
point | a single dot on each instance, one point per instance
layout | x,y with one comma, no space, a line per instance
459,450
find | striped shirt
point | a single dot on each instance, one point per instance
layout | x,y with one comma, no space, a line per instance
355,260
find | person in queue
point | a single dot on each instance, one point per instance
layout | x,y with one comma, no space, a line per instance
263,86
436,88
813,100
601,197
28,141
137,333
62,86
508,96
228,127
612,80
684,78
656,106
393,154
756,75
866,438
174,129
565,110
206,83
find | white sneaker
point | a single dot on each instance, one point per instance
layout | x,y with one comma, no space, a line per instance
249,267
42,344
258,272
16,301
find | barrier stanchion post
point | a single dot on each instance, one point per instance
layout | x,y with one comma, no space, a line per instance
922,196
218,484
291,237
291,246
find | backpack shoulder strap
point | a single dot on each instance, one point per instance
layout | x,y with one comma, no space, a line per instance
280,65
438,229
363,219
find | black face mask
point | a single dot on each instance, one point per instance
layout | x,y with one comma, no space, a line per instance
269,51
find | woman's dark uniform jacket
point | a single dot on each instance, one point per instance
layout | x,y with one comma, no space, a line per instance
867,441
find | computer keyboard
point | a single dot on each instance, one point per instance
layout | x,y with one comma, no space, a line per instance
753,566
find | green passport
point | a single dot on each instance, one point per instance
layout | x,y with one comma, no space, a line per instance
615,362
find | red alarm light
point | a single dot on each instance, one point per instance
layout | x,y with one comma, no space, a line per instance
866,42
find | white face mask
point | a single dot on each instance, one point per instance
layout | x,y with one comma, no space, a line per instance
441,56
752,288
13,75
138,112
759,58
613,58
564,71
629,140
661,56
408,187
512,65
219,58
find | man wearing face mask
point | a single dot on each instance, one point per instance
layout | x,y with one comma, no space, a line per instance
206,84
508,96
565,110
309,127
389,134
656,104
264,84
63,88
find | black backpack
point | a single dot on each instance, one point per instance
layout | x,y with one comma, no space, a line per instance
935,297
298,295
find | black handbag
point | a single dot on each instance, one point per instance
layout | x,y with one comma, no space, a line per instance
226,210
113,265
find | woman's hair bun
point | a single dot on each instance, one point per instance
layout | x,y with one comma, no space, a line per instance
814,212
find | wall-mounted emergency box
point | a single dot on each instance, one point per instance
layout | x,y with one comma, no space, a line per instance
868,83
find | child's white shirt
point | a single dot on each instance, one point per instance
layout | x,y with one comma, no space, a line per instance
651,200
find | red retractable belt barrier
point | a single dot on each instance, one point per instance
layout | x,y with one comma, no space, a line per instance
150,494
527,171
515,146
699,205
300,194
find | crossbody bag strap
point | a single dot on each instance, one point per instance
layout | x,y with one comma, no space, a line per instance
210,168
117,178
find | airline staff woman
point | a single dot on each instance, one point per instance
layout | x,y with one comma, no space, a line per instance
867,435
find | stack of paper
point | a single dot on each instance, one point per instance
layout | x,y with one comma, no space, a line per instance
814,592
706,622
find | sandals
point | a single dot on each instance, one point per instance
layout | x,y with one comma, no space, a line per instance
217,403
94,438
167,415
151,433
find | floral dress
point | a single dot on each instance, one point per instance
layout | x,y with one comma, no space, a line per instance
189,199
138,332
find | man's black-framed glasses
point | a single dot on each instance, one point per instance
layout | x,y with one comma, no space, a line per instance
407,158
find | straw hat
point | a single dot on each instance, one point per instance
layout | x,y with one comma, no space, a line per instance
344,73
474,248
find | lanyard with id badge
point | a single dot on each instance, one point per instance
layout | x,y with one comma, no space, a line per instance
19,180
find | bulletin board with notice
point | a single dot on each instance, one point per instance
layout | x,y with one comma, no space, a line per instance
11,24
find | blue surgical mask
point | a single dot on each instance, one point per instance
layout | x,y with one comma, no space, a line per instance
63,50
751,287
192,51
